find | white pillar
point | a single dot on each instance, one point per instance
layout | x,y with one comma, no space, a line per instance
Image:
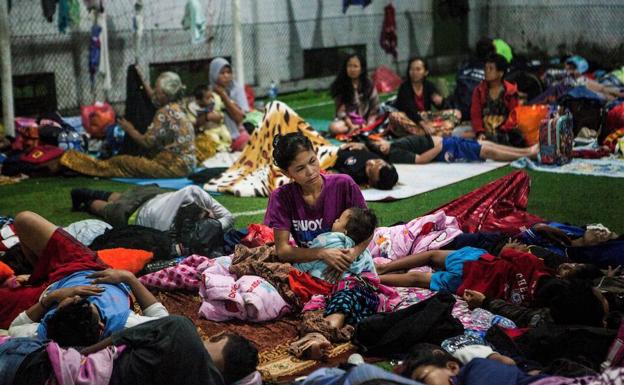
239,67
8,113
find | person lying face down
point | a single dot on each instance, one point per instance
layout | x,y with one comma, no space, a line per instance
421,149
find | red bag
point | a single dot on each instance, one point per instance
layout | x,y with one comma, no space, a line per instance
96,118
41,154
615,118
258,235
386,80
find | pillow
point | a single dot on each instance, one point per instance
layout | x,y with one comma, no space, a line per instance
126,259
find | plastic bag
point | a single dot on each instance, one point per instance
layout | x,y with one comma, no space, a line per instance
258,235
529,118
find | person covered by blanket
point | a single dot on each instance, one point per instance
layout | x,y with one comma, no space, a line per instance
72,297
150,206
169,141
493,103
206,111
415,100
576,69
422,149
355,96
306,208
549,298
366,167
234,99
165,351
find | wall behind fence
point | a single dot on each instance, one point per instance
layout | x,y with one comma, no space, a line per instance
276,33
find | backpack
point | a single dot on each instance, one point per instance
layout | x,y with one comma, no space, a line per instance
468,78
586,108
556,137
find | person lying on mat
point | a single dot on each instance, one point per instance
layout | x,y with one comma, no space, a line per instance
164,351
421,149
366,167
149,206
553,298
306,208
72,296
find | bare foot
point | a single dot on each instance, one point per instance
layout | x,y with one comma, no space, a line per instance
312,346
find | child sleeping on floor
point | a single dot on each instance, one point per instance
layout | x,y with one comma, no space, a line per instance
354,226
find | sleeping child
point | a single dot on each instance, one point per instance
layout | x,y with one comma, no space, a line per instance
354,226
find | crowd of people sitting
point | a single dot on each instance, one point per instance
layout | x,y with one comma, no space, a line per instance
546,298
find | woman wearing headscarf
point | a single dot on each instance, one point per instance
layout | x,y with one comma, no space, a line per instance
234,98
168,141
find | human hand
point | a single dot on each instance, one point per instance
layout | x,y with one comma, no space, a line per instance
59,295
381,269
125,124
112,276
338,259
353,146
516,245
220,91
553,234
22,279
214,116
474,298
481,136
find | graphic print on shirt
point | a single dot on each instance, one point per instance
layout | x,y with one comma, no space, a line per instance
308,229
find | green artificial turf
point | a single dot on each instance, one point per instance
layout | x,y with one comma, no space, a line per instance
566,198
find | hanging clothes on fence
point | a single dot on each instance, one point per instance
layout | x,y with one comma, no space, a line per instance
195,21
388,39
104,69
94,51
63,15
74,13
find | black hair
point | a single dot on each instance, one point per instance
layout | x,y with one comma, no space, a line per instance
499,61
426,354
286,147
342,87
409,64
361,224
585,271
388,177
484,48
240,358
200,91
74,325
577,304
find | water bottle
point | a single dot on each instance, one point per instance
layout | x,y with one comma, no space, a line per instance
75,142
273,91
63,140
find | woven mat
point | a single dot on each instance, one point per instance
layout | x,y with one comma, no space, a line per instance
271,338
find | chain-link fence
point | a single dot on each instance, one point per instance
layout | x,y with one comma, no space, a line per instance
276,44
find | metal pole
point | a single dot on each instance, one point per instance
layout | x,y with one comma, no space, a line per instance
8,113
239,67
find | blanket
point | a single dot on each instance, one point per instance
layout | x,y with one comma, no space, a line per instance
254,174
415,179
611,167
497,206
